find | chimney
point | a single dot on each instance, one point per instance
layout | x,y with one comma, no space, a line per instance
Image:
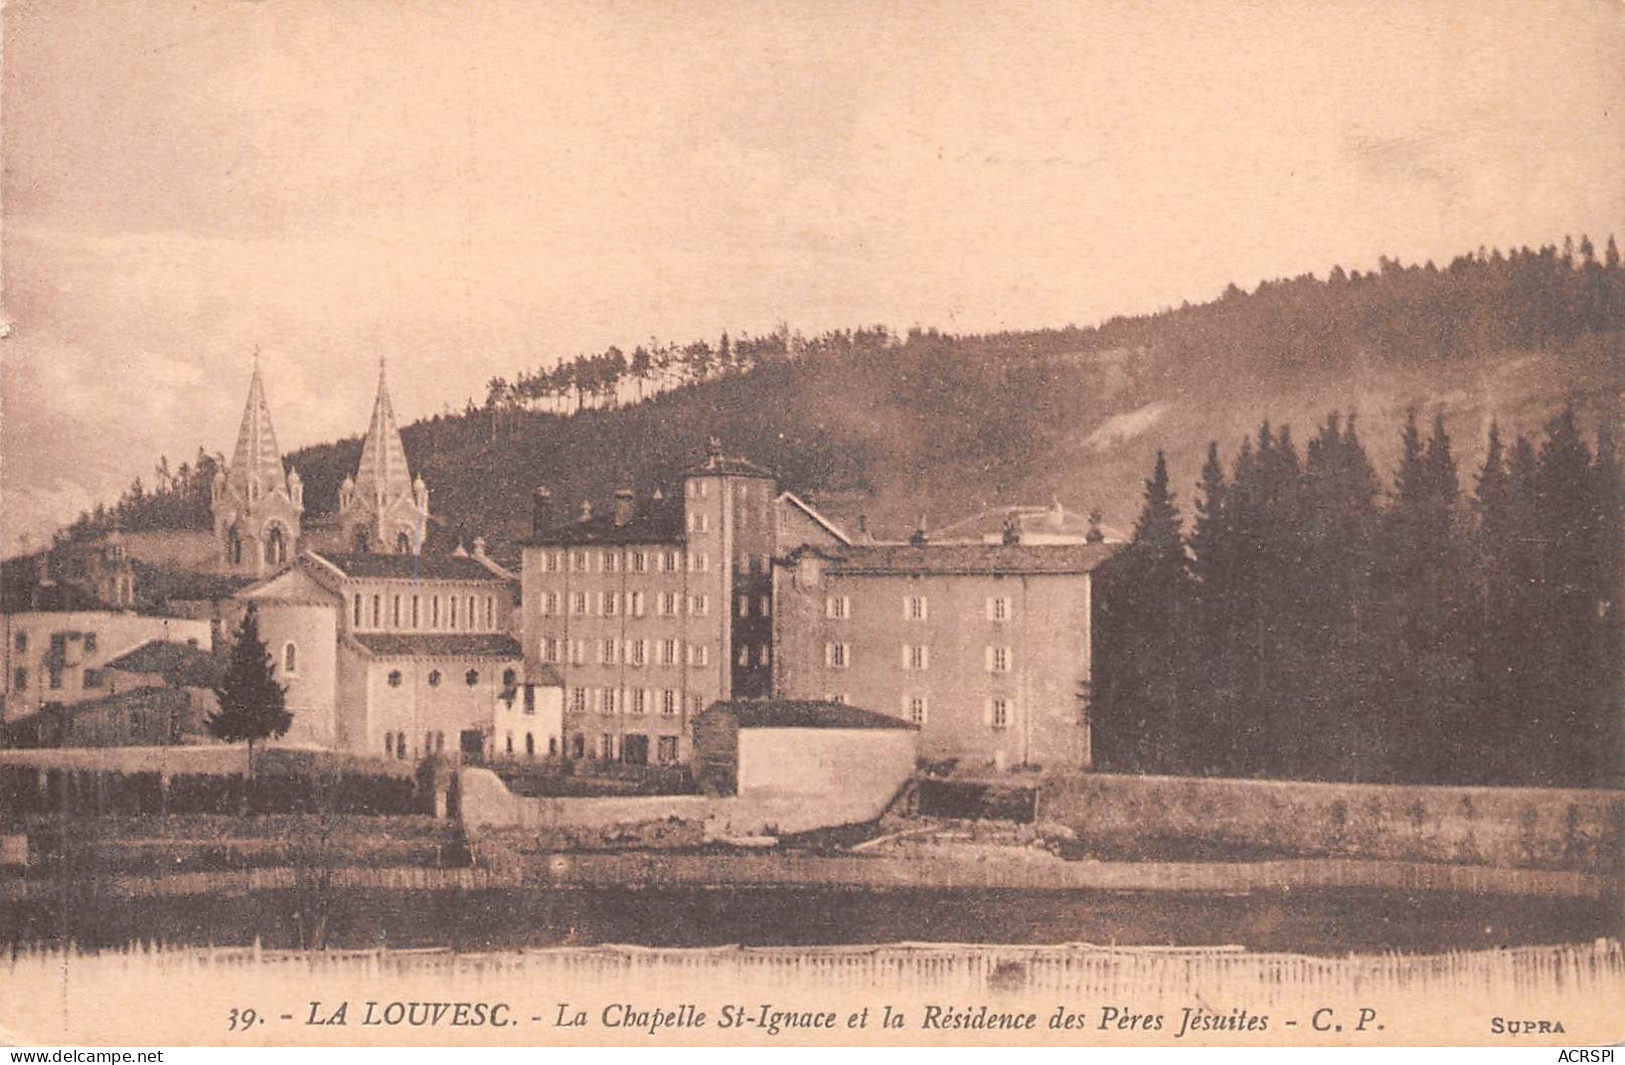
541,510
623,507
919,538
479,547
586,511
1012,529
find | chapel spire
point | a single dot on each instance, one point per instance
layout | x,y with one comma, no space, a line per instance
382,508
257,506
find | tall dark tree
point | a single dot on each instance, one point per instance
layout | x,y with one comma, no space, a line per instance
252,703
1139,693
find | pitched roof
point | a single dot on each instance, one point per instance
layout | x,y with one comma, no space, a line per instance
1052,521
383,474
803,713
296,584
438,645
978,559
717,464
543,674
409,567
818,519
161,584
180,664
652,522
256,459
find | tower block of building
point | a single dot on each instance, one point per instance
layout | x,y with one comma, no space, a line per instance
257,507
382,509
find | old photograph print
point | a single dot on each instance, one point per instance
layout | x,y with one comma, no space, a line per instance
757,523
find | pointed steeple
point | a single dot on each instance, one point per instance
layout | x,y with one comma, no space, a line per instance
383,475
256,465
256,505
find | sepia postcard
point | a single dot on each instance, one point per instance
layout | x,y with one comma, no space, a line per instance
580,522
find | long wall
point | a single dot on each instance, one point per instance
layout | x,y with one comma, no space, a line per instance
1510,827
486,803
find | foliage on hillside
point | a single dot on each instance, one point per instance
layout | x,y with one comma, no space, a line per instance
938,425
1306,629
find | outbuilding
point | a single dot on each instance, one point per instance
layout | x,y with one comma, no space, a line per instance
800,747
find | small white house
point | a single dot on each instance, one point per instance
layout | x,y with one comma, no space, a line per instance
532,724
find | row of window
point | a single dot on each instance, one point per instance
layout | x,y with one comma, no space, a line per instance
59,641
612,560
471,678
671,560
633,748
663,701
395,744
918,608
92,678
916,657
420,612
998,712
530,745
624,604
610,652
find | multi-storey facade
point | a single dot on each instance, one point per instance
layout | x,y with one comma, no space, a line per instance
985,647
60,656
652,610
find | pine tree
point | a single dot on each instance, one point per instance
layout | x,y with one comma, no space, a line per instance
1139,692
251,700
1608,726
1494,629
1214,721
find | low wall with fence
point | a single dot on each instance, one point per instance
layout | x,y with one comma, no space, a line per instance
1529,828
133,781
486,803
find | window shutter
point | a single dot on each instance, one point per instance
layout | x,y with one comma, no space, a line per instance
925,657
988,665
989,611
987,712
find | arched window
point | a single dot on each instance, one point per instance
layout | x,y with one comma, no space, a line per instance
276,546
530,745
434,678
472,677
234,546
394,678
403,544
389,745
400,745
509,678
290,658
360,542
510,743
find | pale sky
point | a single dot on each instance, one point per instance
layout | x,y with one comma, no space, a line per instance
477,189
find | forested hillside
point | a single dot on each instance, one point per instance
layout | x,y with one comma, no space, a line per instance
936,425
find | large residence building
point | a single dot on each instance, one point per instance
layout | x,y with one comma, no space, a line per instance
652,611
734,590
985,647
